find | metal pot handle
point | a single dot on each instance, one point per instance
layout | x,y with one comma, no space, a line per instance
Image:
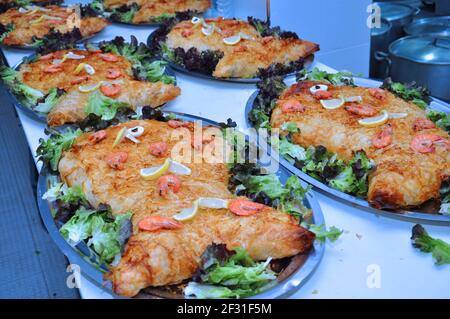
383,56
441,43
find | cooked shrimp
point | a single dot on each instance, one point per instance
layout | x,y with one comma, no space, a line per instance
116,160
422,124
384,137
377,93
361,109
322,95
158,149
154,223
425,143
166,183
110,90
244,207
291,105
97,136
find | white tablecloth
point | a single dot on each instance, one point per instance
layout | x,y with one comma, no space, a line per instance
371,247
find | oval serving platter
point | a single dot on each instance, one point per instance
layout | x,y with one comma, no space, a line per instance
417,216
296,273
308,63
41,117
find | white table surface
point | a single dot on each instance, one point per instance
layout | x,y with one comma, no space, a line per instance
369,242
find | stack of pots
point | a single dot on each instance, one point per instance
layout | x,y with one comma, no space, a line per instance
394,17
423,56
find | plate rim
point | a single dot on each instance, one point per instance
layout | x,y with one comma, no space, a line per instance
405,215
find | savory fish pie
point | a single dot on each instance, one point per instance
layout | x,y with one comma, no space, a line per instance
148,11
364,141
70,84
179,209
24,26
231,48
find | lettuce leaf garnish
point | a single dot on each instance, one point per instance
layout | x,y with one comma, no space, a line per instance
409,92
26,94
50,151
322,234
69,195
229,274
103,106
439,249
99,229
49,101
5,30
441,119
338,78
144,67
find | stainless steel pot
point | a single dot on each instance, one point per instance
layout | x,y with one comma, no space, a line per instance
398,15
424,59
436,25
380,39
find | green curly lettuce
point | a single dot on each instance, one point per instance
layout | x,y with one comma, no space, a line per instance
409,92
141,58
322,234
50,101
27,95
439,249
50,151
229,274
103,106
338,78
5,30
99,229
68,195
163,17
441,119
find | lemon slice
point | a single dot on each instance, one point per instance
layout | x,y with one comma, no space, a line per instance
38,20
90,87
120,136
79,68
353,98
208,202
153,173
89,69
52,18
375,121
232,40
397,115
187,213
332,104
179,169
208,30
245,36
73,56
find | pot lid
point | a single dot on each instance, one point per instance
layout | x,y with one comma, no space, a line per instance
384,28
429,25
394,11
430,49
411,3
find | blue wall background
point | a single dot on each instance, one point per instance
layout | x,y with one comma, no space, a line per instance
339,26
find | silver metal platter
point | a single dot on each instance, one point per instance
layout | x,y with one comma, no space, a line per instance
180,68
41,117
417,216
94,271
